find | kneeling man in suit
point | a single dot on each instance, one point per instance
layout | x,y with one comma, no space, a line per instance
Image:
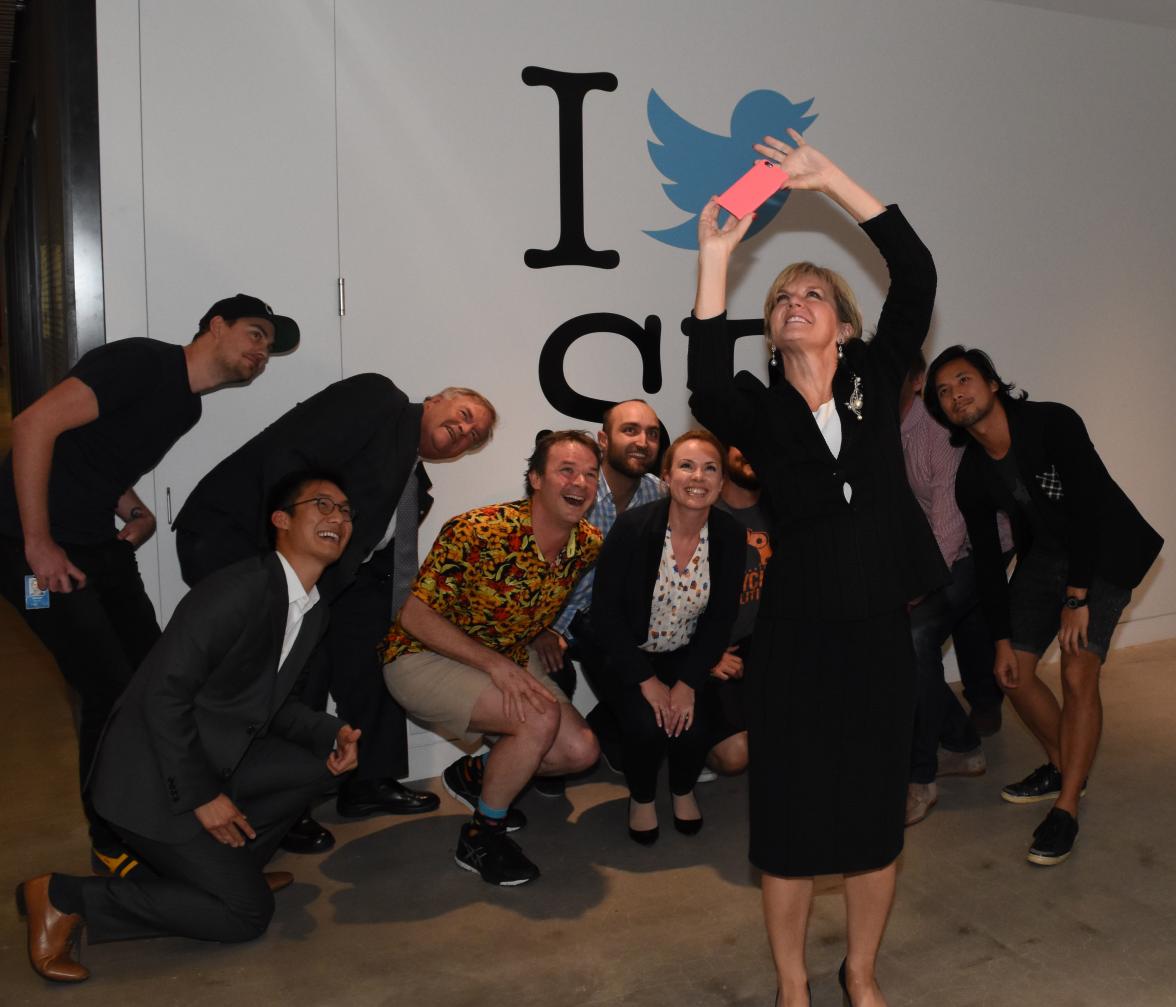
208,758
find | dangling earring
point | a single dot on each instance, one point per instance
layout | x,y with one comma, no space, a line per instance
840,350
774,360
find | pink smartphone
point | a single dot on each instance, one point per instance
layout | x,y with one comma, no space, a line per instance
754,189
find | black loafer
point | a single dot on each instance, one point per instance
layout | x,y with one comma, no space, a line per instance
307,836
359,798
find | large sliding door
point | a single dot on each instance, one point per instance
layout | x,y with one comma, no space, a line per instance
239,183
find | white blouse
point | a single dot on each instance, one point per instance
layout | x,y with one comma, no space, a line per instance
829,423
679,597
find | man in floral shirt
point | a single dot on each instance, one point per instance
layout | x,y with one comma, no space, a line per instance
457,656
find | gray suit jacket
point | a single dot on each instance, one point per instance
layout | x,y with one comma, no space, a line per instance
205,692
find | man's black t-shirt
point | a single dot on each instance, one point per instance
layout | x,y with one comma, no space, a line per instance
144,406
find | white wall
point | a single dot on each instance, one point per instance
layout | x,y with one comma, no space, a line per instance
1032,150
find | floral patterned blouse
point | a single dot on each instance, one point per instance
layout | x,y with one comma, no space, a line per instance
679,597
486,575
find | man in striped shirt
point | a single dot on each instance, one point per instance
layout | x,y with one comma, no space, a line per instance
947,740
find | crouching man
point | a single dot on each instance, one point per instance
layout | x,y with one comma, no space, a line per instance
206,760
457,656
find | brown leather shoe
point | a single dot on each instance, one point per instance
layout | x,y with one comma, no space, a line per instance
277,880
51,933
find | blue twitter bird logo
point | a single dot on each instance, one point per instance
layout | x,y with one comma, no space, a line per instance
702,164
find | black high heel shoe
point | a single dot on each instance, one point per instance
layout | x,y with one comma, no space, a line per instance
688,826
646,837
844,989
643,837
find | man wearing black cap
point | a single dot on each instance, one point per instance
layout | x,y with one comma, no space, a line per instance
77,453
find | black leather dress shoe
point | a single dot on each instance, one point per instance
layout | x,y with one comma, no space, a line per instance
307,836
359,798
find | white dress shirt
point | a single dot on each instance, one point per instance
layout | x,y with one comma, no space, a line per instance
300,604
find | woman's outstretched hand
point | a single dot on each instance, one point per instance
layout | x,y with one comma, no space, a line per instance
807,167
721,241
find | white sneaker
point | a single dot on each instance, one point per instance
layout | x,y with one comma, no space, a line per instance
921,798
971,763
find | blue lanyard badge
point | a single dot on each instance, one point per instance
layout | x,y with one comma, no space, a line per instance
35,597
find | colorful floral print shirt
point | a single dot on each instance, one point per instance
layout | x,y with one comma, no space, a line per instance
486,575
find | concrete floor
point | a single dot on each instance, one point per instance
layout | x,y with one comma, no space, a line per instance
387,918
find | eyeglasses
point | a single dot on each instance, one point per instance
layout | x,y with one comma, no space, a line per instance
326,506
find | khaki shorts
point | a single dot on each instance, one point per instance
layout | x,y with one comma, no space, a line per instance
441,693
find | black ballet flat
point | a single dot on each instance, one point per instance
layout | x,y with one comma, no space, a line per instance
645,837
688,826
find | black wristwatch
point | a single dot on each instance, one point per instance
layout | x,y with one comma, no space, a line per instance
1072,602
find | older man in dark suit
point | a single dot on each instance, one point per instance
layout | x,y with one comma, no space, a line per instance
367,430
209,755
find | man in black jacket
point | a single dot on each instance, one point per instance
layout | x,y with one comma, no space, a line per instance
209,755
367,430
1081,547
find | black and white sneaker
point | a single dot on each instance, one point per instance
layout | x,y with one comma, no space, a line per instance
466,791
461,788
493,855
1053,839
1043,784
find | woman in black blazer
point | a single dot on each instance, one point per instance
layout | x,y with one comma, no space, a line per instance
664,600
830,683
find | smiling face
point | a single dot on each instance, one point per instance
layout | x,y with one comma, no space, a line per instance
694,475
964,396
242,347
452,426
304,532
805,314
630,439
567,487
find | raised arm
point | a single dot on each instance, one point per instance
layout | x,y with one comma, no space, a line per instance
716,245
809,169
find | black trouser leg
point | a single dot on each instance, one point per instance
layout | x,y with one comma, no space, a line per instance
973,643
98,635
360,619
202,888
646,744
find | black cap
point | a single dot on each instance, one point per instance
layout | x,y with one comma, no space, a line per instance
246,306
